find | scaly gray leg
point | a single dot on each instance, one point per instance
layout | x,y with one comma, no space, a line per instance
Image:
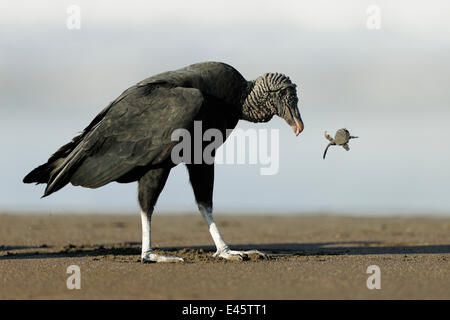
202,180
150,186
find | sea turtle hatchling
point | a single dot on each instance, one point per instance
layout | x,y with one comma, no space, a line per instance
341,138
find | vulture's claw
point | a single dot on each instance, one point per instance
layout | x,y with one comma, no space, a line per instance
160,258
237,255
230,255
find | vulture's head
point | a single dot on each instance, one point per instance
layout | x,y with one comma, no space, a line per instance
274,94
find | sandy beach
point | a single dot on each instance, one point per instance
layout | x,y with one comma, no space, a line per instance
310,257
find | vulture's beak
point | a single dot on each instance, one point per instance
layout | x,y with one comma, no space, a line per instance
294,120
291,115
298,126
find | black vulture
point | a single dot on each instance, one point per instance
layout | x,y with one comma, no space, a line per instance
130,140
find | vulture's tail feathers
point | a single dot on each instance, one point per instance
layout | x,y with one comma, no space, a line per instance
61,176
42,173
58,163
56,173
39,175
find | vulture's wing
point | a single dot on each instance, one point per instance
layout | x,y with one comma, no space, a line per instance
135,131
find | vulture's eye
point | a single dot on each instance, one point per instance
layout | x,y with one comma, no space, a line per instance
283,92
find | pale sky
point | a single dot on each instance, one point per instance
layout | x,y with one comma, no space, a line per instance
389,86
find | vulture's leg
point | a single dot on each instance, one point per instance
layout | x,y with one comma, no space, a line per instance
150,186
202,180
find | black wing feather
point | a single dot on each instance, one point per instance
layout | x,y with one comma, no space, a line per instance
135,130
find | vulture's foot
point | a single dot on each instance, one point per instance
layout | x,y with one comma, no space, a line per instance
151,257
236,255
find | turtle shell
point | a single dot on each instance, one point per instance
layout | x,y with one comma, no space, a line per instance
342,136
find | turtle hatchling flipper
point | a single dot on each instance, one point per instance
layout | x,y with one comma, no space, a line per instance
328,137
346,147
326,149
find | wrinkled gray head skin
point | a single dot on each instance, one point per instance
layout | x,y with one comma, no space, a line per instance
273,94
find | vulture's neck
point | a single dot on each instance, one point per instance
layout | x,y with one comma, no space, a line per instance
255,107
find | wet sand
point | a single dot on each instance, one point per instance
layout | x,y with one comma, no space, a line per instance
312,257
